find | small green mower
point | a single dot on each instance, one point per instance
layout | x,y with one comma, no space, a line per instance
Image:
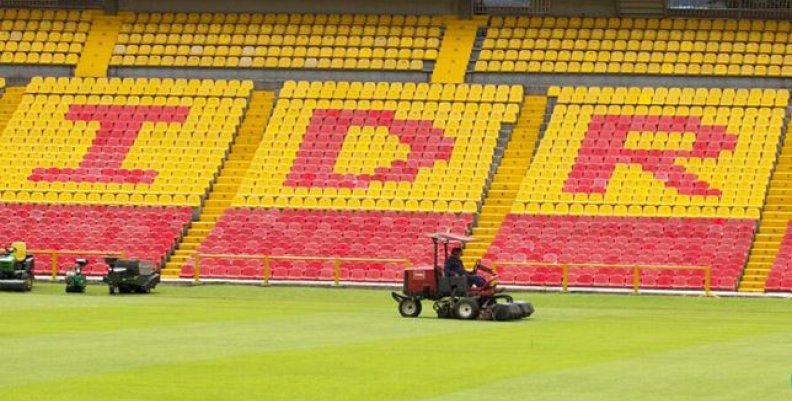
75,278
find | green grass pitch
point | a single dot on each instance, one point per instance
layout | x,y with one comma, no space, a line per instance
318,344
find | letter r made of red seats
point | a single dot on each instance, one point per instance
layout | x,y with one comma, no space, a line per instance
119,127
605,146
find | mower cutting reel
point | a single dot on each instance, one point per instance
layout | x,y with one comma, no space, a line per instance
452,296
16,268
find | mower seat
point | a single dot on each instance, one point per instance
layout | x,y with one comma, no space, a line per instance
145,268
454,285
21,250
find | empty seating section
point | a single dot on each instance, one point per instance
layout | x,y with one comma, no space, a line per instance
780,278
621,176
656,152
145,233
650,176
374,234
363,170
720,243
389,42
366,146
665,46
42,36
119,141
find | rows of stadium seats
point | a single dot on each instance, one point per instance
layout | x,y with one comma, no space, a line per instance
722,244
780,278
388,234
651,176
664,175
350,146
145,233
111,141
278,41
42,36
628,45
363,170
709,160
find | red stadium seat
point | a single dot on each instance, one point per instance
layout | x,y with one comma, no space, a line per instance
385,234
722,244
145,233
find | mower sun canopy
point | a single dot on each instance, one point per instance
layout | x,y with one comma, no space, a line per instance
449,237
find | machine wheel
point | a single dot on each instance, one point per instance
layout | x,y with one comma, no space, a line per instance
112,289
28,285
409,307
467,309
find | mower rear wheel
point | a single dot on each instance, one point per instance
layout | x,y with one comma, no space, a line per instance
28,285
467,309
111,289
409,307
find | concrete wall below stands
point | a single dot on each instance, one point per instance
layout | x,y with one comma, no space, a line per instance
430,7
589,8
15,73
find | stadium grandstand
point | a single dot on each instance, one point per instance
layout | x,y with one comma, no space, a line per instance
597,145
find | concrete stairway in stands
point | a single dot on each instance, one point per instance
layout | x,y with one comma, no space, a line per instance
227,184
458,40
773,224
9,102
508,176
98,49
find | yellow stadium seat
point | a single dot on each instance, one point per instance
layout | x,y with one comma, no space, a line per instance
301,31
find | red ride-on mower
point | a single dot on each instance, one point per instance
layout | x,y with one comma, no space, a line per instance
452,296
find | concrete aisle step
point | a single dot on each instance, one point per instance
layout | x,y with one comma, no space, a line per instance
98,48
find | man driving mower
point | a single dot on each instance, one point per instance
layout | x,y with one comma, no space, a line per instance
454,267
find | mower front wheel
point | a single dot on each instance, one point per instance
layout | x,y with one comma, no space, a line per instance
410,307
467,309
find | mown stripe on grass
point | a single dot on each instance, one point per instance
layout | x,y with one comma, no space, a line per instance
310,360
751,368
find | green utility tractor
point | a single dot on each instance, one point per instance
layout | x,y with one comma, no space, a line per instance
75,278
130,276
16,268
